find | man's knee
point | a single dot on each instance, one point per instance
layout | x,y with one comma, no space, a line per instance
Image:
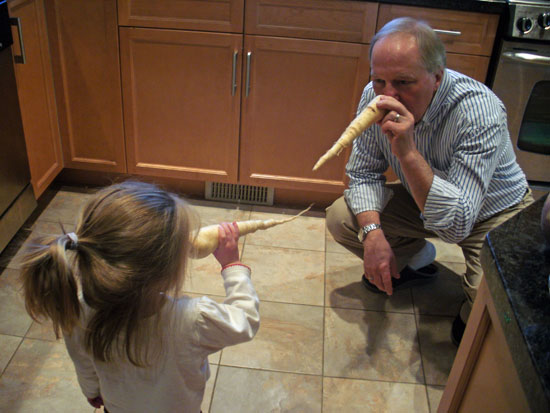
336,216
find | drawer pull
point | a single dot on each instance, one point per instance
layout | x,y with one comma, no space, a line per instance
234,74
16,21
448,32
248,58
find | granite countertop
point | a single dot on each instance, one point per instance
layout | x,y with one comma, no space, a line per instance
516,263
482,6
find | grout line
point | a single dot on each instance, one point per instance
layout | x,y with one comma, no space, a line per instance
13,355
417,324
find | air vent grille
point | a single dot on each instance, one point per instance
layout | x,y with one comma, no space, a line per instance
247,194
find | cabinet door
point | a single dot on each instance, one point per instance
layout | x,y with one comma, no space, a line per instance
302,94
84,46
181,103
36,95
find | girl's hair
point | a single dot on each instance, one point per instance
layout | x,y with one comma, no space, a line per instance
131,246
432,50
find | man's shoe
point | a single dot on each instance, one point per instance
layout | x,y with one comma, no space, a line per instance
409,278
457,331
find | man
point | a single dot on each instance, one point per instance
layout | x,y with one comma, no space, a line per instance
445,135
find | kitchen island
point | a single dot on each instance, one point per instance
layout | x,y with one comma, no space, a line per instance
510,322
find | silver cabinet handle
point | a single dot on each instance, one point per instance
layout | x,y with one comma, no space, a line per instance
248,58
448,32
234,75
16,21
526,57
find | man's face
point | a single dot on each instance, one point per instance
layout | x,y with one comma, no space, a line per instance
397,71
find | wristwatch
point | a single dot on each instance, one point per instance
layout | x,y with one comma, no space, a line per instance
362,234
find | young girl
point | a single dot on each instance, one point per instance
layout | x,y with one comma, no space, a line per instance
111,289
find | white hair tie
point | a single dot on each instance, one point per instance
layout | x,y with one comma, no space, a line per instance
74,239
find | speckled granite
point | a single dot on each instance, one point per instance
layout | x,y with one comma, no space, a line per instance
481,6
516,262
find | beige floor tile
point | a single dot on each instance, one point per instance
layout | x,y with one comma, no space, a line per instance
290,339
8,345
333,246
209,389
14,319
447,252
371,345
305,232
42,331
361,396
434,397
438,352
343,287
204,277
211,213
41,378
254,391
65,207
286,275
444,295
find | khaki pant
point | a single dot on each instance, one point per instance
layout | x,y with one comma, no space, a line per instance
406,234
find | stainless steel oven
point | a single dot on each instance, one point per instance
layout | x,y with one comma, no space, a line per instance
522,81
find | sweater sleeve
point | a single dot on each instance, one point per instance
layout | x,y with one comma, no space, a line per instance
85,370
234,321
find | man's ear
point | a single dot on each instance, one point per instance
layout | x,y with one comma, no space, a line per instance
438,77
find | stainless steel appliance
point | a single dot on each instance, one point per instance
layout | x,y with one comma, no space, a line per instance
522,81
16,196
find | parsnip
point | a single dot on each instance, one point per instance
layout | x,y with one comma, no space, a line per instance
205,241
366,118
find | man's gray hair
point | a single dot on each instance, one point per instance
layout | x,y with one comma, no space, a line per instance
432,50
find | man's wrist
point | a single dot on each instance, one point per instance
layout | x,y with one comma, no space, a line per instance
366,229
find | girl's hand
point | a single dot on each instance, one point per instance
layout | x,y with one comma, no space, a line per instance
228,244
96,402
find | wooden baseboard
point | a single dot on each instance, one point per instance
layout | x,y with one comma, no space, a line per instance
192,189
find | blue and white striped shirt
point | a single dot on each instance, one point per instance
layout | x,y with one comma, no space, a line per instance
464,138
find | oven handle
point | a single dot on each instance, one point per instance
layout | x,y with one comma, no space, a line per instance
526,57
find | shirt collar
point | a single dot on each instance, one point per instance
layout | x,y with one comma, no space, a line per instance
435,108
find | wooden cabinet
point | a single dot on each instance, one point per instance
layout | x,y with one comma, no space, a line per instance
301,96
36,94
257,105
468,36
181,103
85,57
483,377
218,15
307,64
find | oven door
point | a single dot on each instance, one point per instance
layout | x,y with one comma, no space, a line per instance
522,82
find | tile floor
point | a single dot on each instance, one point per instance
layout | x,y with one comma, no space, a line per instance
325,343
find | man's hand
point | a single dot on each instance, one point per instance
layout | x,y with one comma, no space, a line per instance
379,261
398,126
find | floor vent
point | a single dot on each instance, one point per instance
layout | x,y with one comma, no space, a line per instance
247,194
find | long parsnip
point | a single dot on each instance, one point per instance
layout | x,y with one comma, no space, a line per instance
366,118
205,241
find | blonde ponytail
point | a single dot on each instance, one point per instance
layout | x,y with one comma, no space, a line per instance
49,283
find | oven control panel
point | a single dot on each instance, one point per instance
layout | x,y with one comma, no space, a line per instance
529,21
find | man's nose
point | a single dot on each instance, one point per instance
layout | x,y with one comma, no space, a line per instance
389,90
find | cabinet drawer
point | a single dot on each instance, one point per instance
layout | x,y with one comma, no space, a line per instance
473,66
209,15
473,33
350,21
